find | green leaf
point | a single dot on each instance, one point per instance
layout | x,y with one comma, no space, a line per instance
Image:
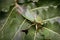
48,12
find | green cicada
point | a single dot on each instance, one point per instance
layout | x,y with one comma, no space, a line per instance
26,12
32,15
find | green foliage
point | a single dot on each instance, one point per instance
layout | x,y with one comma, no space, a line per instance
46,25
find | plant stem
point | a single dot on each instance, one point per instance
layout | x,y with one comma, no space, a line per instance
7,19
35,33
18,29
